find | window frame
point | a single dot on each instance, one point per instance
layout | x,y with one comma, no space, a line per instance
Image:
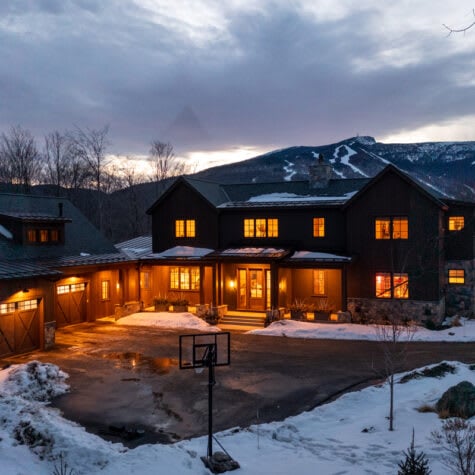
395,228
457,277
185,228
184,278
456,223
260,228
319,227
105,290
389,286
319,282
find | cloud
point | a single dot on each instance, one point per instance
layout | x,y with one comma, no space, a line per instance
259,75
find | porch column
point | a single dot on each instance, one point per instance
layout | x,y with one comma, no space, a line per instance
274,285
215,283
202,281
344,293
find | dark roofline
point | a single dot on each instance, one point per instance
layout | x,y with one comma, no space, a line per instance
408,179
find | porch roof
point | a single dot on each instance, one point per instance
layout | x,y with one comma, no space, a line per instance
310,256
180,252
251,252
24,269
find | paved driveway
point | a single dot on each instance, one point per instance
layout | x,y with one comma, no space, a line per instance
126,384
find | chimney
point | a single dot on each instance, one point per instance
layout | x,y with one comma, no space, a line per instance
320,173
60,210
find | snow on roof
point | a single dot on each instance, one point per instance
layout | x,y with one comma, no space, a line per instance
183,251
286,197
252,251
319,256
5,232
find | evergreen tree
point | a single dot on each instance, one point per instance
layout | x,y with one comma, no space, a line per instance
414,463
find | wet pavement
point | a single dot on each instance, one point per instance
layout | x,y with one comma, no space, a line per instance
126,384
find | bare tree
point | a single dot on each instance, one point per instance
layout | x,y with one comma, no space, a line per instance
164,162
460,30
19,158
90,145
394,334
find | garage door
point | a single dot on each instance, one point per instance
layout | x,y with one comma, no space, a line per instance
19,327
70,304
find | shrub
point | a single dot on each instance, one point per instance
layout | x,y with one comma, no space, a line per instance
414,463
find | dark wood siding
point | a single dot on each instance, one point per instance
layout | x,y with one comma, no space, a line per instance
184,203
295,229
460,245
420,256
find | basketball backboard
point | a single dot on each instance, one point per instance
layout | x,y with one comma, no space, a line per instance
199,350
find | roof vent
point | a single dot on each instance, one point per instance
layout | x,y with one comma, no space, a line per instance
320,173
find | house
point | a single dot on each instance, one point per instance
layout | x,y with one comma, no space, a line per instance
56,269
363,245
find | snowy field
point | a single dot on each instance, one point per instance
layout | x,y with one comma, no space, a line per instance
348,436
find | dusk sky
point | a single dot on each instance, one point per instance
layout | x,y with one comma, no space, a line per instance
238,78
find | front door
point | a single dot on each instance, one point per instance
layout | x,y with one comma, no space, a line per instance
253,288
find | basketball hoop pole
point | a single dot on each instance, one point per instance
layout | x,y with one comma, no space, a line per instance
211,382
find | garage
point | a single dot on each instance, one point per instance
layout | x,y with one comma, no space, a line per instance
19,326
70,304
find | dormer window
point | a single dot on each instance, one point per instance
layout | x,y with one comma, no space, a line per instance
42,235
185,228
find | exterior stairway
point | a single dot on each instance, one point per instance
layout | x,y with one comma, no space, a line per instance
243,320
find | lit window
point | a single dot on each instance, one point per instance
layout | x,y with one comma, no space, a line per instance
105,290
54,235
261,227
318,227
28,304
184,278
382,228
78,287
456,276
456,223
62,289
392,286
179,228
145,280
43,235
400,228
31,234
248,228
185,228
318,282
400,286
7,307
273,227
395,228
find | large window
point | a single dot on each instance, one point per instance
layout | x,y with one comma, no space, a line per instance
391,228
319,283
456,276
105,290
318,227
392,285
261,227
185,228
145,279
184,278
456,223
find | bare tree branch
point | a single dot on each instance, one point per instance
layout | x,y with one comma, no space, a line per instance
460,30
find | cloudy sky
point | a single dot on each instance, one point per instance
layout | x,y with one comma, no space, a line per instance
238,76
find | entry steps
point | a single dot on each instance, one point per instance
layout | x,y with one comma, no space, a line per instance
241,319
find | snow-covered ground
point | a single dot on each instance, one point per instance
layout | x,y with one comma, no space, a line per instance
347,436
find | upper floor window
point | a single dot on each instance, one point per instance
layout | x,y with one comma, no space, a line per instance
390,285
261,227
185,228
456,223
184,278
391,228
318,227
42,235
456,276
319,278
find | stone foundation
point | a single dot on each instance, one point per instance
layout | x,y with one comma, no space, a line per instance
370,310
460,298
49,335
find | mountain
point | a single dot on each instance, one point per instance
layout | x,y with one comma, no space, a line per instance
446,166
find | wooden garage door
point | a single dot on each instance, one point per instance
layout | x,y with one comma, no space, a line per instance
70,304
19,327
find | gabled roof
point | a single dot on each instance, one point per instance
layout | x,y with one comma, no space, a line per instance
136,247
80,235
432,195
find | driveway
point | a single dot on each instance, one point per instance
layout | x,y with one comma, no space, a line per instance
126,384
